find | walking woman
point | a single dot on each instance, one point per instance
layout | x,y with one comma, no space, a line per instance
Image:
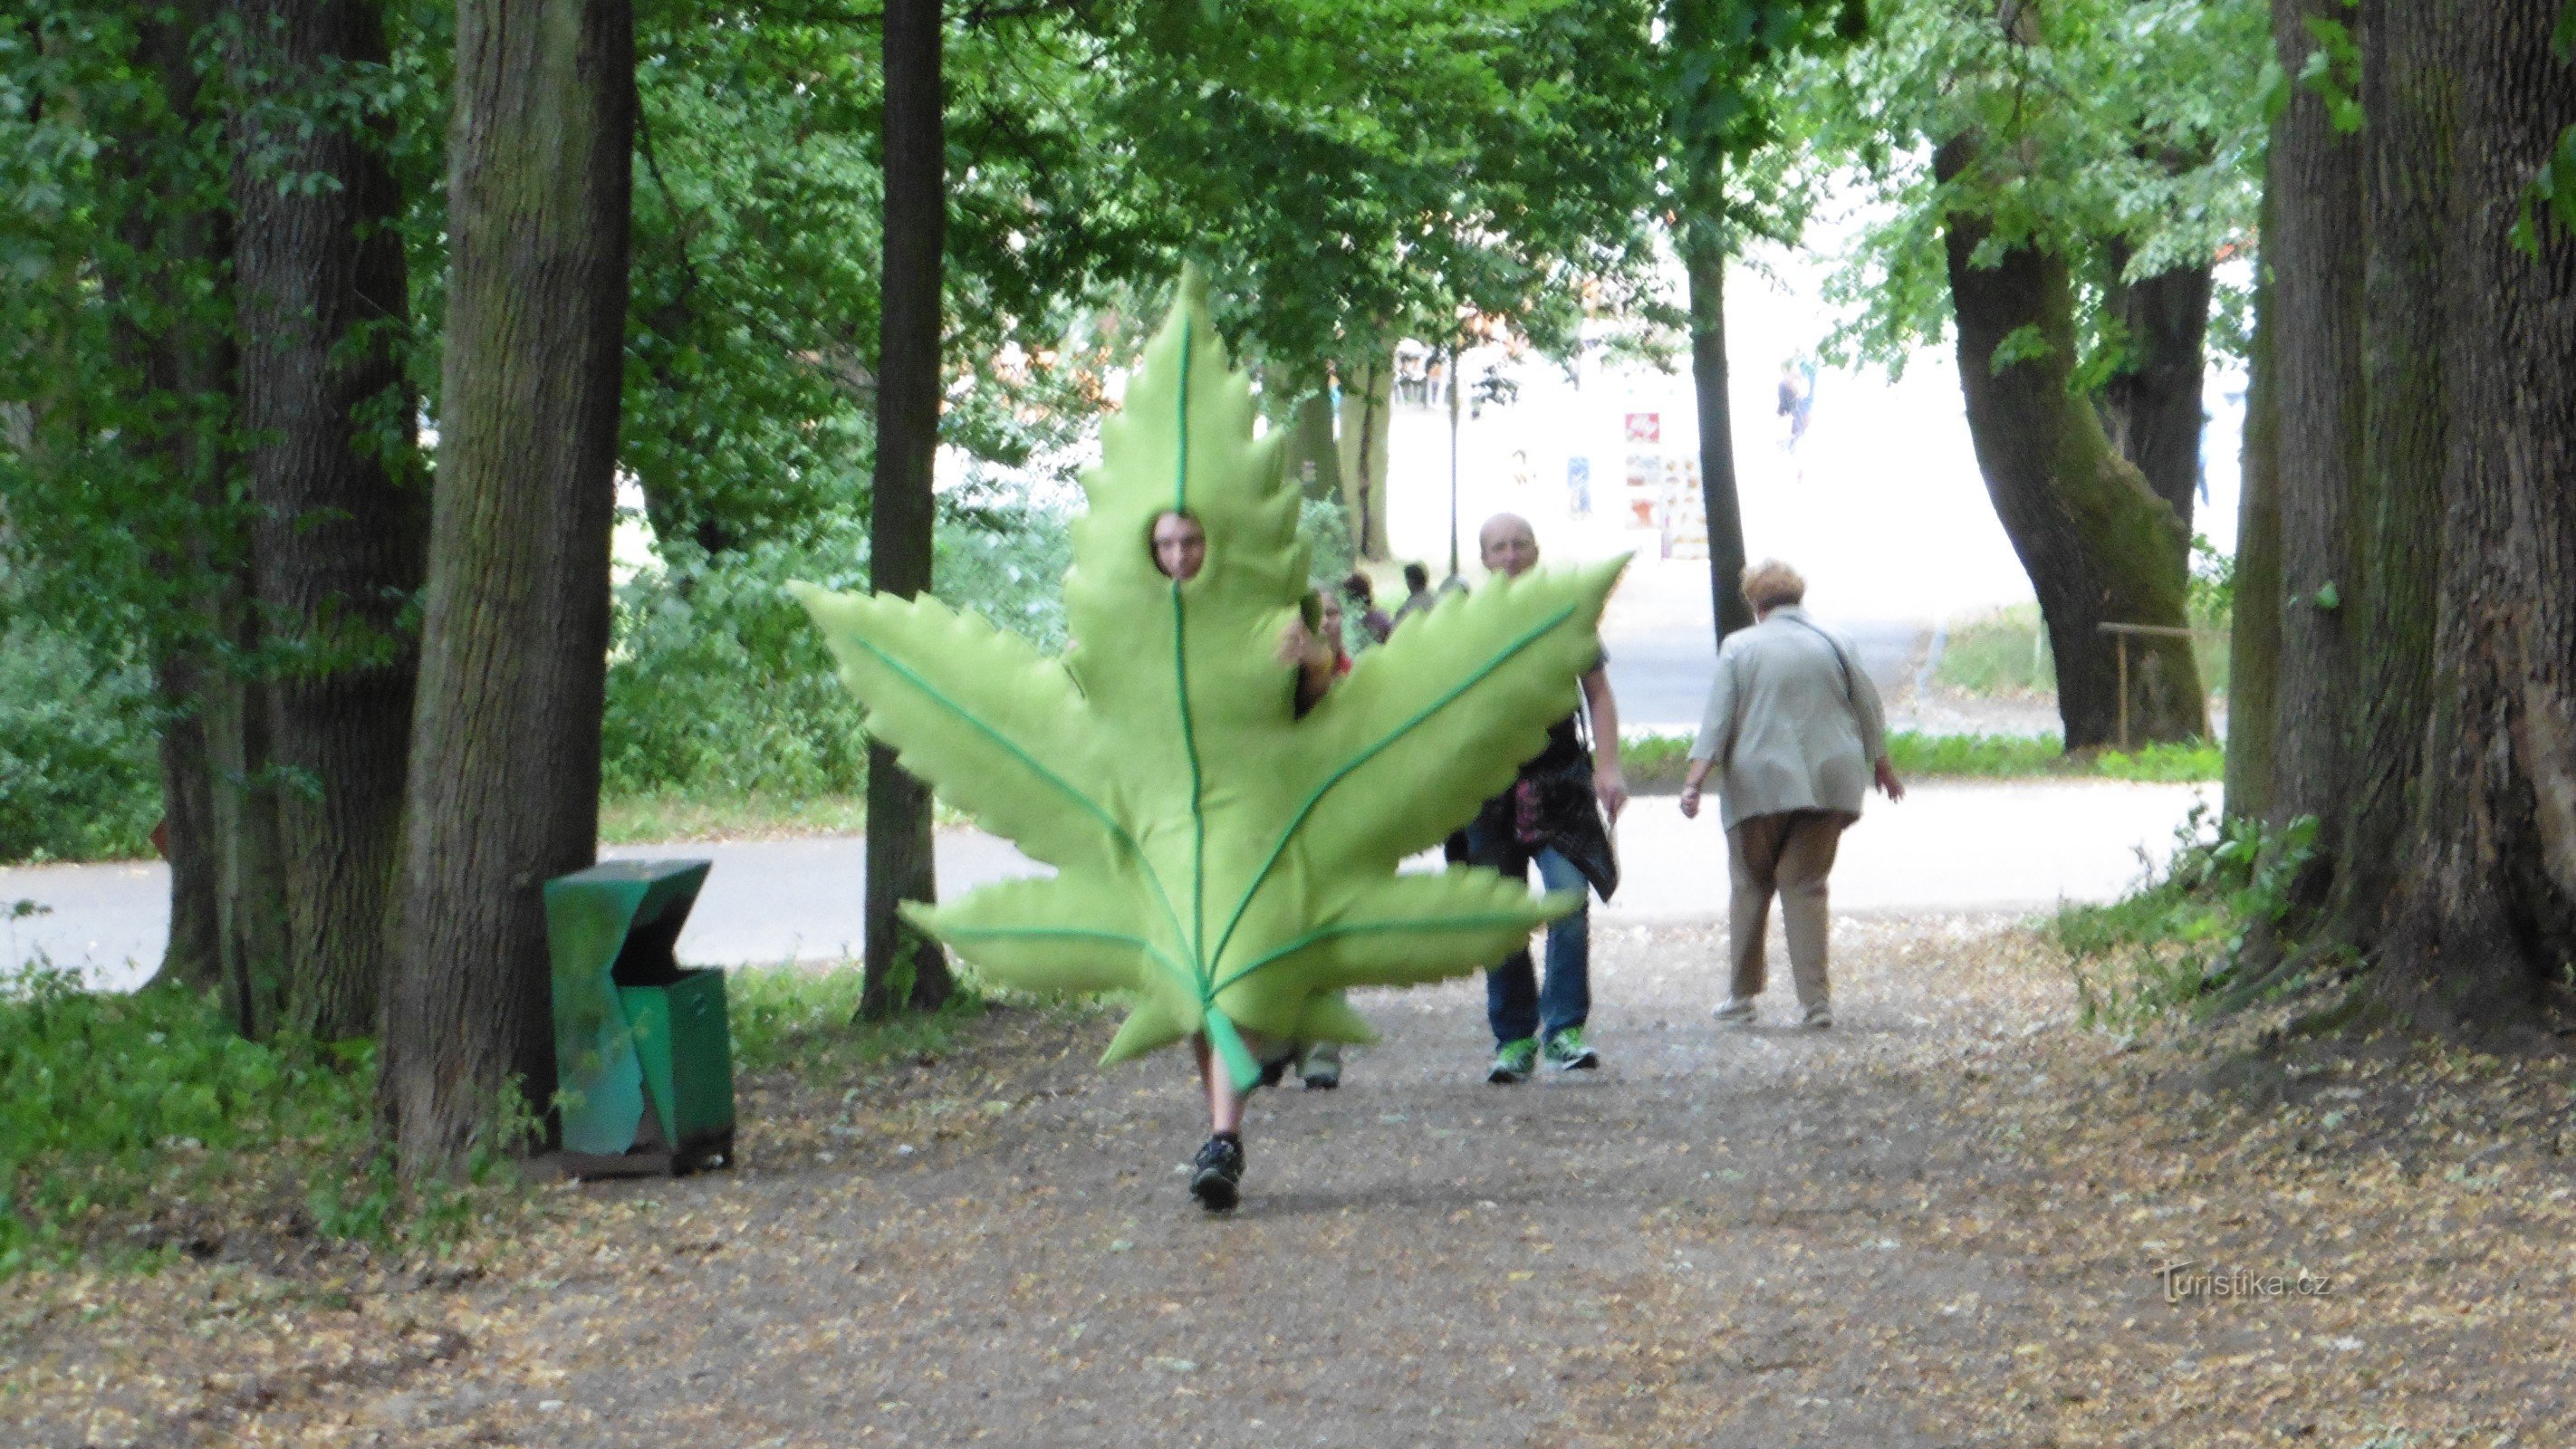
1796,735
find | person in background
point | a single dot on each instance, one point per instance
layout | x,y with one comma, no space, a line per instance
1417,593
1363,596
1798,736
1551,818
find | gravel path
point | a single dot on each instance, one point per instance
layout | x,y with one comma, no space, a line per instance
1936,1225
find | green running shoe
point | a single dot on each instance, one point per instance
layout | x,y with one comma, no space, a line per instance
1567,1053
1514,1062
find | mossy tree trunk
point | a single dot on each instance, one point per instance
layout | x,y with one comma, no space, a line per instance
904,968
2316,263
1368,406
2485,918
2409,92
2152,408
2254,642
2099,545
342,515
1312,458
514,637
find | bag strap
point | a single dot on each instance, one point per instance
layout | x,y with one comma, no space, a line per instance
1850,696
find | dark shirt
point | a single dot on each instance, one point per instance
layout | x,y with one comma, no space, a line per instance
1564,749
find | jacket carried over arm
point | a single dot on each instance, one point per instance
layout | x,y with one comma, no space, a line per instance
1793,723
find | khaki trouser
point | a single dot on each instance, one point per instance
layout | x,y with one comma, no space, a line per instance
1788,854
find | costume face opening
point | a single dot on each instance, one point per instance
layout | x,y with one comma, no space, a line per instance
1180,546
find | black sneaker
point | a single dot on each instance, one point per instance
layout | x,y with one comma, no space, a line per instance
1216,1178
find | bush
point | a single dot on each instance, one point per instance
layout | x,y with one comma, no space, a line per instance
718,684
80,776
2177,941
118,1111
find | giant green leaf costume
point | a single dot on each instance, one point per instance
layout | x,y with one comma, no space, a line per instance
1230,864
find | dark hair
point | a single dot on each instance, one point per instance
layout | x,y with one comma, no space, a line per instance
1358,590
1416,577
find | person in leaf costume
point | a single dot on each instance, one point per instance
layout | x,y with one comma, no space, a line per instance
1224,862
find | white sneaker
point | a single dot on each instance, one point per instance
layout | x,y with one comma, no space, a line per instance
1734,1011
1819,1017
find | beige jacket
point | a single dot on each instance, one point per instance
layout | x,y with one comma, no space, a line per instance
1791,726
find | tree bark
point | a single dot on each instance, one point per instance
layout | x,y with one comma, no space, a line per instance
514,638
2098,545
341,523
904,968
2152,410
1311,459
2409,86
2487,912
1705,260
1368,405
2315,259
180,348
2254,645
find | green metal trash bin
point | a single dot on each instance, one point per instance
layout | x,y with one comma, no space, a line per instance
643,1056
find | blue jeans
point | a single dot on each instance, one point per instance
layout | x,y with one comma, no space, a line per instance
1515,1005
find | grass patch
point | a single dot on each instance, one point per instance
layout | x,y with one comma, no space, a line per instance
138,1127
1999,655
1654,764
682,816
794,1018
2177,941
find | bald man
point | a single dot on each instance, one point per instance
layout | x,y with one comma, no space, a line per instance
1550,818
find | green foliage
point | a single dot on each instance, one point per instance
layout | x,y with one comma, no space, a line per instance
2123,135
2177,941
118,1111
1357,170
715,685
2552,189
79,776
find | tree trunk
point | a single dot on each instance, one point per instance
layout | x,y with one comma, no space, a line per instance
2152,410
180,347
250,867
193,956
2409,86
2315,258
2254,646
904,968
341,522
2098,545
1705,258
2487,913
1368,405
1311,459
514,637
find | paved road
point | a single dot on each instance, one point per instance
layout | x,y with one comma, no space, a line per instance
1949,846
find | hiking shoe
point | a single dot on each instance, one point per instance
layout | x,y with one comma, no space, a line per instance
1216,1178
1819,1017
1566,1052
1513,1062
1735,1011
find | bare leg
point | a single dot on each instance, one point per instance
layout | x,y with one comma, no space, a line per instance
1225,1104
